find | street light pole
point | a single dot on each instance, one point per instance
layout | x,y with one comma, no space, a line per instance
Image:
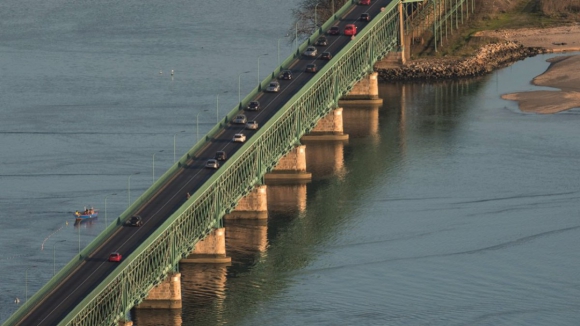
26,283
315,20
239,86
106,209
154,165
54,257
259,67
296,36
197,126
174,144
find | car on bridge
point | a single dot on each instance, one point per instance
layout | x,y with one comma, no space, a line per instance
365,2
326,56
273,87
240,119
311,67
286,74
334,30
212,164
252,125
322,41
135,220
310,51
350,30
253,106
365,17
239,138
221,156
115,257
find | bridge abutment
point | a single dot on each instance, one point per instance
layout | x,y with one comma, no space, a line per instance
291,168
165,295
328,128
253,206
210,250
364,92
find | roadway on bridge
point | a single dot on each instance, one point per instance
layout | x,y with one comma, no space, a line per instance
126,239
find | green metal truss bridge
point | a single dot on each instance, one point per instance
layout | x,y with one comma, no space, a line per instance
159,254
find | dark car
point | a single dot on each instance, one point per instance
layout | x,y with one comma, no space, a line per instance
322,41
287,74
221,156
311,67
365,17
135,220
334,30
326,56
253,106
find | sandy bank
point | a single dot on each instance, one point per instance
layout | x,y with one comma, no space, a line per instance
564,74
555,39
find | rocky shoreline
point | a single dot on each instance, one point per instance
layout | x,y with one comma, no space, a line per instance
489,58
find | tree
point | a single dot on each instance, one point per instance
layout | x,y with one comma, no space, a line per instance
305,16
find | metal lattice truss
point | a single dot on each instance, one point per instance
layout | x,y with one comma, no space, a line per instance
161,252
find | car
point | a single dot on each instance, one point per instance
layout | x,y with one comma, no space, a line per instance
365,17
334,30
240,119
135,220
311,67
365,2
273,87
311,51
239,138
115,257
287,74
350,30
322,41
212,164
221,156
253,106
326,56
253,125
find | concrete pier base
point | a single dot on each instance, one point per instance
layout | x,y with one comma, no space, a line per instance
364,92
253,206
166,295
210,250
290,169
329,128
125,323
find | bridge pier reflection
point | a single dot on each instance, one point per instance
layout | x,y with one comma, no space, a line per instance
156,317
287,198
361,120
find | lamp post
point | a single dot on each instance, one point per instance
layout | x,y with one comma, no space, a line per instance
174,144
197,126
154,165
79,227
106,208
315,20
54,257
129,186
217,108
239,86
26,283
296,36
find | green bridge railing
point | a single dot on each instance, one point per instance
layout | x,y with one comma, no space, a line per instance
160,254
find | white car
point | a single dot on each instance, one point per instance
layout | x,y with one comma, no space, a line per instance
239,138
240,119
212,164
253,125
273,87
311,51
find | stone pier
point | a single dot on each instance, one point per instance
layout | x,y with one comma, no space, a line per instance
254,206
328,128
364,92
291,168
210,250
125,323
165,295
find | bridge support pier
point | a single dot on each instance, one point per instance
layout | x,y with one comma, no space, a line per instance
291,168
365,92
210,250
328,128
165,295
254,206
125,323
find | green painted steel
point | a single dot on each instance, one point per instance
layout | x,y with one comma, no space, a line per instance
160,254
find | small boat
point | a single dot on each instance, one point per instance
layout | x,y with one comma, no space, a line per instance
87,213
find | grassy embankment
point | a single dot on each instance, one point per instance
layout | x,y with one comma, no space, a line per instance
501,14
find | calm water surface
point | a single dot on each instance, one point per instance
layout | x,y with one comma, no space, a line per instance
447,206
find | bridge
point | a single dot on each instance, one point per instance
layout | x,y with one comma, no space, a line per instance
188,202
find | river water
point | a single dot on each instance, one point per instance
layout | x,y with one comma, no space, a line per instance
448,206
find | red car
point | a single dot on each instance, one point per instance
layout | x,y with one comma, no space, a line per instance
350,30
115,256
365,2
